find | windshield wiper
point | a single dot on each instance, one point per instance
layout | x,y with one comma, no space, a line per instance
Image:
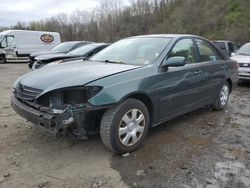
107,61
117,62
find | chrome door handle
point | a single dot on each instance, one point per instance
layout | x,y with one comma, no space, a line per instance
197,72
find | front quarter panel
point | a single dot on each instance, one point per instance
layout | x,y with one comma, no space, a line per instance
117,87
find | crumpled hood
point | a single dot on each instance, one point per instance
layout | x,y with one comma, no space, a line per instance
77,73
241,58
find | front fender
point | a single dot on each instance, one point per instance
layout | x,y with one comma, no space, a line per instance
117,87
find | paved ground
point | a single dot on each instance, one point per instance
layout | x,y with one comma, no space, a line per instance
201,149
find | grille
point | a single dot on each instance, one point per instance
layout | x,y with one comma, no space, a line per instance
25,93
244,64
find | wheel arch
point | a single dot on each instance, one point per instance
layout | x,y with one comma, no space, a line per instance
145,99
230,83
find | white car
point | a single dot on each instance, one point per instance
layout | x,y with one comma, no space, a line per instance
16,45
243,58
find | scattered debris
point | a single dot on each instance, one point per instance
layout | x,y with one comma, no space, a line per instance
55,177
18,154
140,173
15,163
98,183
6,175
183,167
211,181
135,185
125,155
151,167
5,126
43,184
209,123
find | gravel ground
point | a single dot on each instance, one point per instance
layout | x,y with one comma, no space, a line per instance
201,149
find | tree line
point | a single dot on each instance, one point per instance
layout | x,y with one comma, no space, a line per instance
111,20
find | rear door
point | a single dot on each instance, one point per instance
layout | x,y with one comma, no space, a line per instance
213,67
180,88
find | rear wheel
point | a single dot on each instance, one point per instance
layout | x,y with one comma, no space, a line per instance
222,99
2,59
124,127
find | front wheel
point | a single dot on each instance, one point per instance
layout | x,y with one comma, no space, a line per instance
222,99
123,128
2,59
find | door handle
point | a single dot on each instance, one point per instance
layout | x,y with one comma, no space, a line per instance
196,72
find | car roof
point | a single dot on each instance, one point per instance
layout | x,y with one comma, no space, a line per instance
225,41
77,42
165,35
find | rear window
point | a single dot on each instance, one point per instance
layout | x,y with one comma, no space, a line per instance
83,50
221,45
207,52
64,47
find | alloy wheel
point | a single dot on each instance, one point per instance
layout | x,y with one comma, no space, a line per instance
131,127
224,94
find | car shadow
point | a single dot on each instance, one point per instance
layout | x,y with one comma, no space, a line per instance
244,83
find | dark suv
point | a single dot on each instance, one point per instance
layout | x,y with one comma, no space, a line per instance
130,86
228,47
62,48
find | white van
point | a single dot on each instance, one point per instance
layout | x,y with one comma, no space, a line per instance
16,45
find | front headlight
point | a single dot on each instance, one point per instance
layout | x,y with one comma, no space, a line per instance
59,99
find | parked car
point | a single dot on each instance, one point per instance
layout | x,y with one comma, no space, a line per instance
62,48
16,45
83,53
243,58
228,47
130,86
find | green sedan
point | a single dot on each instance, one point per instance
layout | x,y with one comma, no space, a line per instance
130,86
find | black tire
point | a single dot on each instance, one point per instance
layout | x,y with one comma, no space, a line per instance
219,104
2,59
112,120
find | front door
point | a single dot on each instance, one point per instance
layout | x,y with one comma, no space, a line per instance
8,46
180,88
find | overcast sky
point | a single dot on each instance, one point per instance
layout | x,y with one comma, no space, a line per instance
12,11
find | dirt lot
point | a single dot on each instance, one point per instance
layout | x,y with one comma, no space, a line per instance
201,149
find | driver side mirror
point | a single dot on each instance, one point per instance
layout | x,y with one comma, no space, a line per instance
176,61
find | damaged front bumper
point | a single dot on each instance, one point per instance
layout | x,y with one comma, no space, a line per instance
56,123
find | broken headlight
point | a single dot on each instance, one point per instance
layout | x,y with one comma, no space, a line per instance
60,99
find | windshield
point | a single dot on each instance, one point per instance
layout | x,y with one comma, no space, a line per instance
1,36
83,50
245,49
138,51
64,47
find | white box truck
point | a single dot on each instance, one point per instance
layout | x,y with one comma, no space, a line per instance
16,45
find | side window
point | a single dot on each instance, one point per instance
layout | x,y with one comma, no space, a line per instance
230,47
207,52
4,43
11,41
184,48
236,47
